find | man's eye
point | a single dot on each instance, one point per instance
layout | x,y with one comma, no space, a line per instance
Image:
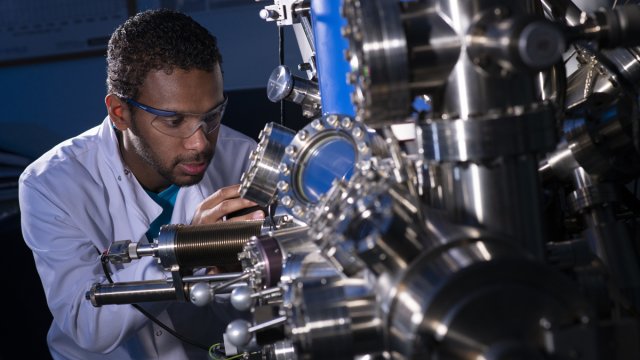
173,122
212,118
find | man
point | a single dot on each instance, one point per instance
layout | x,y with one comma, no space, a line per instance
149,163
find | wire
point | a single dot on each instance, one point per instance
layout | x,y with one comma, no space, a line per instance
213,356
104,260
235,356
281,58
211,349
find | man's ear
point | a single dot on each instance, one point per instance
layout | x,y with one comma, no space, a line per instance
117,110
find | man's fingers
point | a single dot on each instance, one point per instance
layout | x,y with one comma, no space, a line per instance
216,213
225,193
256,215
244,211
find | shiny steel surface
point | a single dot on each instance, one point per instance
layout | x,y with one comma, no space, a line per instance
597,137
333,318
365,218
283,85
607,71
478,284
307,266
204,245
128,293
327,148
492,196
280,83
258,182
464,140
281,350
469,110
467,80
379,61
283,256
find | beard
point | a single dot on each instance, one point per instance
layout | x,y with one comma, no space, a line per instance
166,167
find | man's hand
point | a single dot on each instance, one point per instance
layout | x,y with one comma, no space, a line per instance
223,202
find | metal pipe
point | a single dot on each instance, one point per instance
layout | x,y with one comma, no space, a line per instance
210,278
227,284
130,293
269,324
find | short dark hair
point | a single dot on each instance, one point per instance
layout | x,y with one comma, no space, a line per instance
157,40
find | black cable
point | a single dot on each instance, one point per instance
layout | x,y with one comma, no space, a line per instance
104,260
281,57
170,330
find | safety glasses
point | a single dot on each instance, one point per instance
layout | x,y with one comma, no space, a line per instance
182,124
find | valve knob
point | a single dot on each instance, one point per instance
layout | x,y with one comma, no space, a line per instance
201,294
241,298
238,332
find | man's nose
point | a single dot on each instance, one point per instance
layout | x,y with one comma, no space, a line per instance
198,140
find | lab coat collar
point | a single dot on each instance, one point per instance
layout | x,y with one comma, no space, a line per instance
145,208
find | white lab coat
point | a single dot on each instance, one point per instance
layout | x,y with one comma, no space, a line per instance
78,198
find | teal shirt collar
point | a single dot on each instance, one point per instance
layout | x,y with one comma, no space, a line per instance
167,200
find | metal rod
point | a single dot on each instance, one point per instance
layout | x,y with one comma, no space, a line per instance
146,250
267,292
231,282
214,277
268,324
129,293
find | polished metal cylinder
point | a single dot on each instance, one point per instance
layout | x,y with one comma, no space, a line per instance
480,143
205,245
333,318
131,293
380,73
282,85
502,196
281,350
479,300
598,137
270,255
260,179
473,88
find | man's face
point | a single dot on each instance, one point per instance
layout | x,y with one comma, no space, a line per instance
160,159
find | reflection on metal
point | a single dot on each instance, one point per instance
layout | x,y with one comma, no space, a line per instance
327,148
283,85
258,182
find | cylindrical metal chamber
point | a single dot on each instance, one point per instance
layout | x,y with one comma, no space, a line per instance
480,300
282,256
480,144
259,181
501,196
204,245
332,318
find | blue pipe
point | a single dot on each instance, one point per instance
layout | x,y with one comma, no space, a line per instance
332,68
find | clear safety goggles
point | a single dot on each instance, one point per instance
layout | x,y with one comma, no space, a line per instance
182,124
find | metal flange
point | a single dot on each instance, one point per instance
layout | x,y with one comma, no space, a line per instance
259,181
379,61
327,148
